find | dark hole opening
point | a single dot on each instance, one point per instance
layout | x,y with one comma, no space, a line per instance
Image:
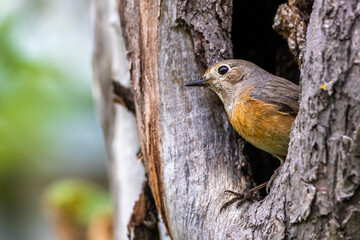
254,40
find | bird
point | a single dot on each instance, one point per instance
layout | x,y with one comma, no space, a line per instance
260,106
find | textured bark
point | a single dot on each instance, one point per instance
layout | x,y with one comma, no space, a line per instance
325,136
190,150
209,23
191,153
291,21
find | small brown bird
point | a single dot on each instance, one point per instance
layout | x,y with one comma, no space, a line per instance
260,106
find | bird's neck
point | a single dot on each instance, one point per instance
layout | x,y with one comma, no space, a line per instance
229,96
226,96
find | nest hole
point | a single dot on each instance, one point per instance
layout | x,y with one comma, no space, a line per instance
254,40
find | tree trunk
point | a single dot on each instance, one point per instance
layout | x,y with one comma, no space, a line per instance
192,154
190,150
119,125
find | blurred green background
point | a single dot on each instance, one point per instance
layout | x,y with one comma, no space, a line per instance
48,125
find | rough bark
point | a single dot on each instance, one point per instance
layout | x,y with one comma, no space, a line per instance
209,23
190,150
323,155
291,21
191,153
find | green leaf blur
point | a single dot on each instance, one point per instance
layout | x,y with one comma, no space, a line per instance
48,128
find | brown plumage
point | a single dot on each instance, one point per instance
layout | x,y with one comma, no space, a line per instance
260,106
261,124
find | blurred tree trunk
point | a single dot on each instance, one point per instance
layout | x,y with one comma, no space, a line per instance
190,152
119,126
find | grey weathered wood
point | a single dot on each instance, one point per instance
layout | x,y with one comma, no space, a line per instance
325,131
191,152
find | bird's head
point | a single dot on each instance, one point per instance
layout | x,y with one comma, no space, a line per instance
227,77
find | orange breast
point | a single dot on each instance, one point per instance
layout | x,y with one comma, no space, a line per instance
261,124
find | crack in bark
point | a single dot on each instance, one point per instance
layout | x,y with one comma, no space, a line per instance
143,221
124,97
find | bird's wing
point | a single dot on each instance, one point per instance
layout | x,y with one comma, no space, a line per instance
280,92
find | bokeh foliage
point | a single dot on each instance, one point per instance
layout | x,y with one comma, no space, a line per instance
47,119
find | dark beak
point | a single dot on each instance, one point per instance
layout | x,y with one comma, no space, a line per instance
199,82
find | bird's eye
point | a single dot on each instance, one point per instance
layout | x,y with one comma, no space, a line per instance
223,70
